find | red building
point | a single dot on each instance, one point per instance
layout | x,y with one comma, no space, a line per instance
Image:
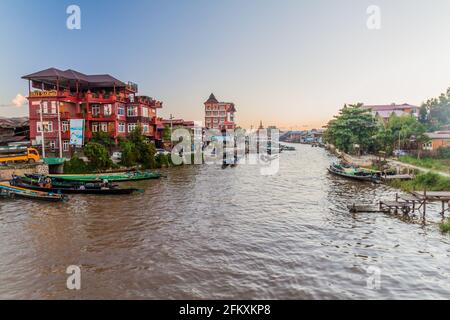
219,115
105,103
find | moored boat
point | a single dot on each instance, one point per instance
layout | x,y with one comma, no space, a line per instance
15,191
111,177
88,188
355,173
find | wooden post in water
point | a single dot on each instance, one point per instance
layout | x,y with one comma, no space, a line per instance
424,202
443,208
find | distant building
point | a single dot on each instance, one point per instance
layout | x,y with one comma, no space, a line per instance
385,111
438,139
219,115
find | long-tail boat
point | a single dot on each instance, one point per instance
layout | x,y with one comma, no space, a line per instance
355,173
88,188
111,177
13,191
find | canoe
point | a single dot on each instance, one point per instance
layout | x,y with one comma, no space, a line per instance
14,191
354,174
36,179
111,177
76,190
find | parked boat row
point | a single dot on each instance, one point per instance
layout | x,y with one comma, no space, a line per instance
55,187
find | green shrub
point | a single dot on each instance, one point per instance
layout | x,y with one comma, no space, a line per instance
443,152
75,166
424,181
98,156
445,226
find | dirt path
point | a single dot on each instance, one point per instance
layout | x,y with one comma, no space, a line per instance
406,165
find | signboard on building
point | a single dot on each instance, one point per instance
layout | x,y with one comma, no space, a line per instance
47,93
76,132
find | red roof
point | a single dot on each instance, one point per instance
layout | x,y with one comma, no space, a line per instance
51,75
389,107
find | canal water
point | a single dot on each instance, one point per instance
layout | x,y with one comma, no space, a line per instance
204,232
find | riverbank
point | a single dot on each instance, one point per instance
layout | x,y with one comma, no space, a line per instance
7,172
424,179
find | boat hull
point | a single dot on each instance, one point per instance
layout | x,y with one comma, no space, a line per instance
117,177
368,178
14,191
109,191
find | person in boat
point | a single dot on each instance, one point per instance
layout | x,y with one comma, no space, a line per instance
48,183
105,184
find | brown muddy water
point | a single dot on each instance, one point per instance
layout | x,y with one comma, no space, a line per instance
208,233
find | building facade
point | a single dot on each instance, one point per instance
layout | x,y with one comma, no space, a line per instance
219,115
385,111
438,139
104,103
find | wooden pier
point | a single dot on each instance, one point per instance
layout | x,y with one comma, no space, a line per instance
406,204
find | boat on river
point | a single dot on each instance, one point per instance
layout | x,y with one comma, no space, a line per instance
111,177
47,185
355,173
14,191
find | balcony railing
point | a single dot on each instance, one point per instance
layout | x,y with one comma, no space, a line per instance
100,117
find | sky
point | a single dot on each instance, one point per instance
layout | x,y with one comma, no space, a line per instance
290,63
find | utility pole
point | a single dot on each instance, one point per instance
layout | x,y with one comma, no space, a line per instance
59,119
42,131
59,131
171,130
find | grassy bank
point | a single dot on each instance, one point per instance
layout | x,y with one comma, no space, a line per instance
425,181
429,163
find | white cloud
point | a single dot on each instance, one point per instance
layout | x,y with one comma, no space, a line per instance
19,100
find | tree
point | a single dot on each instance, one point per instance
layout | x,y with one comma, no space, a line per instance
167,134
129,154
137,150
103,138
353,129
437,110
98,156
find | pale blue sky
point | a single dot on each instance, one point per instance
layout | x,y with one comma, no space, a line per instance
288,63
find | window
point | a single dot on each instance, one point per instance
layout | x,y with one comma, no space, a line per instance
95,127
131,127
65,126
44,107
107,110
104,127
47,126
121,127
132,111
121,111
145,112
66,145
53,104
95,110
52,145
145,128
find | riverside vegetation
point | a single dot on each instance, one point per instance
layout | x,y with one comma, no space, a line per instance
356,130
136,151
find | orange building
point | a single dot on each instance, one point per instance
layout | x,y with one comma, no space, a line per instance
438,139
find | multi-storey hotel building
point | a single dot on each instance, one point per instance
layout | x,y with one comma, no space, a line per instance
104,103
219,115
